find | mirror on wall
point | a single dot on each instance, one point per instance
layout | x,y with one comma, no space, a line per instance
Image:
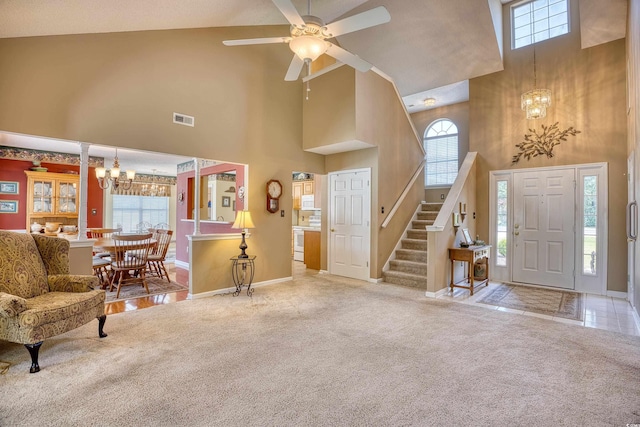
221,196
221,191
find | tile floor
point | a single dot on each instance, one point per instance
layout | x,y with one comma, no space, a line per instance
600,312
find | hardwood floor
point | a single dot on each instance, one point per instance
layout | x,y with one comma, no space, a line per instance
178,275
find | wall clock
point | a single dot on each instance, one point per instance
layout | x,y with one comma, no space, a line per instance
274,191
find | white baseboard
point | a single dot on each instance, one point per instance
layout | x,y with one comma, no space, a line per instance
323,272
617,294
181,264
436,294
233,288
372,280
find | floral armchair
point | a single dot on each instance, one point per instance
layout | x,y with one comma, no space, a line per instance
38,297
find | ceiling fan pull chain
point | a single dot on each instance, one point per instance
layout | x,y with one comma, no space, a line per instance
308,62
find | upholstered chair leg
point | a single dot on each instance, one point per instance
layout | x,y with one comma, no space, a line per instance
33,351
101,321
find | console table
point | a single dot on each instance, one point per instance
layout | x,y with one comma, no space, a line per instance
242,272
469,255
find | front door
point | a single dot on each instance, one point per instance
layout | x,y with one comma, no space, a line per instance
543,227
632,218
349,223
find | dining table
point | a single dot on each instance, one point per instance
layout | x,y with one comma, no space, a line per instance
107,244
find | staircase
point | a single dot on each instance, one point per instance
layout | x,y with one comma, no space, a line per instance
409,268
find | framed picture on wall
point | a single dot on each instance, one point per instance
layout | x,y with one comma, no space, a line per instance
9,187
226,201
8,206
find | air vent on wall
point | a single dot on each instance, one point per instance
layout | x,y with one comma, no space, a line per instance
183,119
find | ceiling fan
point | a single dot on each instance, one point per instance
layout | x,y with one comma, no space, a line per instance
309,36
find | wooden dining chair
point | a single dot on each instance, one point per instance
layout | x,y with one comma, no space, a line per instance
155,260
97,233
130,263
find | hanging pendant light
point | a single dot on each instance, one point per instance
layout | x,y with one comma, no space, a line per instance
536,101
114,176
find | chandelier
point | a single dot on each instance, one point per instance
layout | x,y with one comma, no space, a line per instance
114,176
536,101
153,189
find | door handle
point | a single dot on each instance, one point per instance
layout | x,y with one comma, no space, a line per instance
632,221
517,233
332,230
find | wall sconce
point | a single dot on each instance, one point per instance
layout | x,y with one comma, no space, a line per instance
463,210
114,176
455,221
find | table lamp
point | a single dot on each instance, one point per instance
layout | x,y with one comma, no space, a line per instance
243,221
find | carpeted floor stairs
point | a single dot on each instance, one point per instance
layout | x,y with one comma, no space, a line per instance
409,268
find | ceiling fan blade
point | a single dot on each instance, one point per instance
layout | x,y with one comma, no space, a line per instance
290,12
266,40
294,69
370,18
348,58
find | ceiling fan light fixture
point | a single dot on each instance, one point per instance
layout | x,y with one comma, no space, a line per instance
308,47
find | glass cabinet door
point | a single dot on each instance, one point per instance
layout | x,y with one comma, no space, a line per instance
67,197
43,196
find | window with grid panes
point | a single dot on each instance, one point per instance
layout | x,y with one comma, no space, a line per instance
129,211
537,20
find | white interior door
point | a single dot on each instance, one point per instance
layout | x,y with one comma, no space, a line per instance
632,221
349,223
544,228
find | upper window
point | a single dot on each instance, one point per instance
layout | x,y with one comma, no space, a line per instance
441,146
537,20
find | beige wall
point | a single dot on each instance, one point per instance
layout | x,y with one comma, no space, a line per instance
588,89
120,89
379,119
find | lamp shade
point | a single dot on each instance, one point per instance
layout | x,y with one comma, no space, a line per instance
243,220
308,47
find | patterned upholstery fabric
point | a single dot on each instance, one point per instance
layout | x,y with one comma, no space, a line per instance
54,253
38,298
11,305
22,271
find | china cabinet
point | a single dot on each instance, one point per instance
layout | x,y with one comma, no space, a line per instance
52,197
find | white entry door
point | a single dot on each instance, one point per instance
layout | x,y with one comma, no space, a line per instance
349,223
543,228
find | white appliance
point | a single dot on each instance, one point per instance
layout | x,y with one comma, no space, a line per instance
307,202
298,244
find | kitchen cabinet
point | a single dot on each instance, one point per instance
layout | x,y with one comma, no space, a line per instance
299,189
312,249
52,197
296,192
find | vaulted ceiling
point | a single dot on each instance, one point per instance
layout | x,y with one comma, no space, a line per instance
430,47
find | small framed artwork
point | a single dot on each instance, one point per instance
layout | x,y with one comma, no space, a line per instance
226,201
234,205
466,236
8,206
9,187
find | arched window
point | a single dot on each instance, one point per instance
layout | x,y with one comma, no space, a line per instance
441,145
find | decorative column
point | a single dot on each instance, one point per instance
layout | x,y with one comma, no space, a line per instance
196,198
84,190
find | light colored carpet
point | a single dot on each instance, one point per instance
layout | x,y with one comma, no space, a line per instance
558,303
325,351
156,286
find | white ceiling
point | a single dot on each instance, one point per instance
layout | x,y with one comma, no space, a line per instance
431,48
